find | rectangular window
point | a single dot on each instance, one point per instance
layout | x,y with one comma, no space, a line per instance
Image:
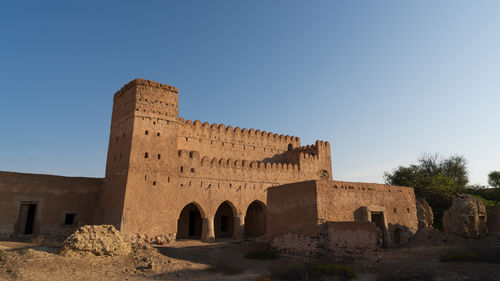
69,219
154,182
146,155
146,132
159,156
158,134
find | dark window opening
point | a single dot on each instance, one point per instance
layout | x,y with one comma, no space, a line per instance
408,210
146,132
192,170
69,219
146,155
182,169
158,134
159,156
154,182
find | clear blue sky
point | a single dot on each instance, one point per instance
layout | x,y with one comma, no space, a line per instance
384,81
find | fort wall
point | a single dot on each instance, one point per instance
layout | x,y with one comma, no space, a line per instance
158,161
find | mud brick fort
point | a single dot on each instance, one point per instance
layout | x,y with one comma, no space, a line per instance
168,178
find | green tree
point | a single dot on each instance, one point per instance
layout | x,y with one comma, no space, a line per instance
494,179
434,178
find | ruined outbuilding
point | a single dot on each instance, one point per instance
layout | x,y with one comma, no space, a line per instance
168,178
466,217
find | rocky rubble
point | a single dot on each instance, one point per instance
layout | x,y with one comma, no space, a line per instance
98,240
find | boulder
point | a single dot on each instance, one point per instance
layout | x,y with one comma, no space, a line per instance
424,214
466,217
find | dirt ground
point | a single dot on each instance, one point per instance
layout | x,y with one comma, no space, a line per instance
224,260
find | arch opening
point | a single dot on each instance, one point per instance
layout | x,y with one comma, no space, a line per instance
255,219
224,221
189,224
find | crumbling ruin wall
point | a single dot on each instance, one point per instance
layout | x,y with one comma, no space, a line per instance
54,197
466,217
316,205
424,214
355,201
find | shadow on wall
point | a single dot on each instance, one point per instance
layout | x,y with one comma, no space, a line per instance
400,234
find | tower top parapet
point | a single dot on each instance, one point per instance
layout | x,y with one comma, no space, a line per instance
146,83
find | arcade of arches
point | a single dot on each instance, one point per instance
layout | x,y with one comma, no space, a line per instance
225,223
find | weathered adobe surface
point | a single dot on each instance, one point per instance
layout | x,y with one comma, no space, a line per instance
424,214
312,204
156,157
466,217
55,196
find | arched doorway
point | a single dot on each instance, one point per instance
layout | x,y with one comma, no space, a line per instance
224,221
255,219
189,224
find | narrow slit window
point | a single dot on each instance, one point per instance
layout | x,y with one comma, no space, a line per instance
154,182
159,156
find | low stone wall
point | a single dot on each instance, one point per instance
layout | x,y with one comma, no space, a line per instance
351,236
297,244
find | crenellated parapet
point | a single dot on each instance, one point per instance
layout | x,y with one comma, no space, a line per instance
189,128
235,169
219,140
